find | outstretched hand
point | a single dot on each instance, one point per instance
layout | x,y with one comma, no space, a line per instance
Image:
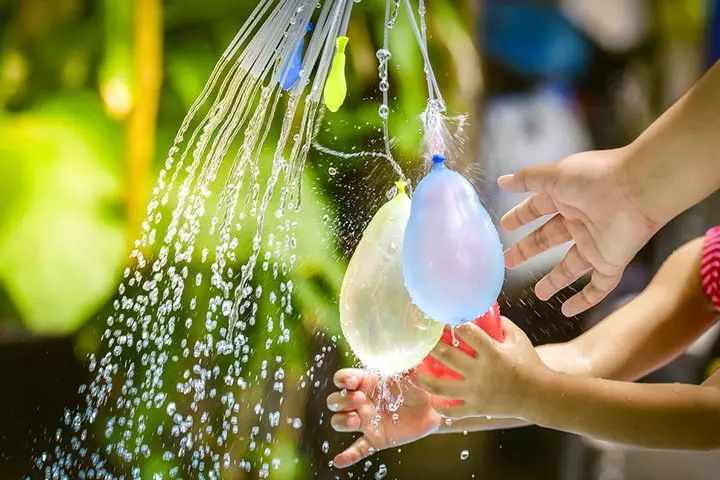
595,206
355,411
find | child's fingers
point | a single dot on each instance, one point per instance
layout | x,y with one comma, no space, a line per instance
538,178
513,333
346,422
570,268
339,402
474,336
451,410
452,357
349,378
357,451
599,287
551,234
441,387
532,208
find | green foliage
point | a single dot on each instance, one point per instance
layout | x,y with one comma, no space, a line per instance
65,91
61,234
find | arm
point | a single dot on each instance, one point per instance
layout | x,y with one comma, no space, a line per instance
678,153
651,330
678,417
642,336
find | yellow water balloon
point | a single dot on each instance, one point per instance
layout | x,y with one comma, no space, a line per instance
387,332
336,85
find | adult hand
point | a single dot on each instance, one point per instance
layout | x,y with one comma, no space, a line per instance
355,411
596,206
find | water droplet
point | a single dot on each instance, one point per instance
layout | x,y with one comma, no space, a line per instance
383,55
383,111
464,455
382,471
325,447
332,171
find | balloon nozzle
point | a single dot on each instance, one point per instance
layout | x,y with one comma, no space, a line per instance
401,186
438,159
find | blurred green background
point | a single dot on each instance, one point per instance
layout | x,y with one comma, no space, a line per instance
92,93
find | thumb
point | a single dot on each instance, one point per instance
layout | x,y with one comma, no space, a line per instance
540,178
513,333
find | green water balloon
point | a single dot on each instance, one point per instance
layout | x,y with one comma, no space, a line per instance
387,332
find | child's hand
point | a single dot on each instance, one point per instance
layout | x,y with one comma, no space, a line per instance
355,412
597,206
496,381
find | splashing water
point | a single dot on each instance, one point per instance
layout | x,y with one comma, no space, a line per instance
191,378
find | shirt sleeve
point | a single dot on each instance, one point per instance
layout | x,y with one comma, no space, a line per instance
710,266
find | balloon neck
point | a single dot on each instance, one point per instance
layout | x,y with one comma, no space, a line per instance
401,186
438,162
341,43
309,27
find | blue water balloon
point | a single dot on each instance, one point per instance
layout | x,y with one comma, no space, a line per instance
452,256
291,70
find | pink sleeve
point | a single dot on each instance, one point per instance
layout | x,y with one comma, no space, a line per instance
710,266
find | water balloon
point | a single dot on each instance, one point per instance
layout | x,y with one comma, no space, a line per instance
291,70
387,332
336,85
452,256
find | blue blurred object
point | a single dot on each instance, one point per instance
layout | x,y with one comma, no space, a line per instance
535,40
291,70
452,256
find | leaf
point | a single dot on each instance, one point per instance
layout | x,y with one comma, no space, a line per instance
61,245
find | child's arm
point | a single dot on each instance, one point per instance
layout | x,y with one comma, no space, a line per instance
642,336
648,332
667,416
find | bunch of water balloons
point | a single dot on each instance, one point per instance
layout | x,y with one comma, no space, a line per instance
421,265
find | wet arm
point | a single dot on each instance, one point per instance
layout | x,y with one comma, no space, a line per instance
669,416
642,336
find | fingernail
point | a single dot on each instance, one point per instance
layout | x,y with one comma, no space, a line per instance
509,263
505,179
541,294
